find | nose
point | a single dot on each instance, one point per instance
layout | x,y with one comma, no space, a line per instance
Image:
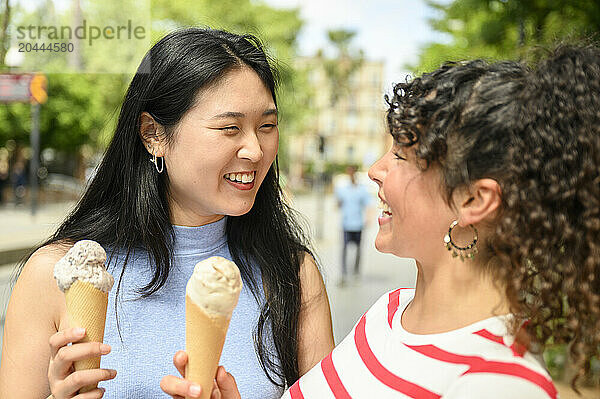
377,171
251,148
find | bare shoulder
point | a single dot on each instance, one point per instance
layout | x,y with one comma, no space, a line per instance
50,252
38,271
37,277
312,287
311,278
35,312
36,281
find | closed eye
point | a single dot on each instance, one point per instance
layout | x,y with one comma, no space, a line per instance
398,156
268,126
229,128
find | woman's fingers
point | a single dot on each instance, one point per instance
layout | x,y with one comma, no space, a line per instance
215,394
62,338
93,394
74,382
180,360
227,385
69,354
64,381
82,378
176,386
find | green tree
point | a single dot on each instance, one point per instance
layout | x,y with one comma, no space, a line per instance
73,115
506,28
81,108
343,65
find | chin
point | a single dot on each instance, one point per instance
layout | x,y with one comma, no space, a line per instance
239,210
380,246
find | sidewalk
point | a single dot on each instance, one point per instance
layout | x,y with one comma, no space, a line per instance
20,230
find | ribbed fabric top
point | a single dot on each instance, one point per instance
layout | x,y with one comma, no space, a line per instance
153,328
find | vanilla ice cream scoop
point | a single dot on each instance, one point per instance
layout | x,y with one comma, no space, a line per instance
83,262
215,286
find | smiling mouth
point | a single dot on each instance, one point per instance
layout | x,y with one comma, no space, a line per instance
385,209
241,177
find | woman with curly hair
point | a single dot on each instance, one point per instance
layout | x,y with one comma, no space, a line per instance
493,186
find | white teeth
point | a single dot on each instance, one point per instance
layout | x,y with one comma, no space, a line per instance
240,177
384,207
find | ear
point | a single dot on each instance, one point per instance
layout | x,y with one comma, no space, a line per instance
481,202
151,134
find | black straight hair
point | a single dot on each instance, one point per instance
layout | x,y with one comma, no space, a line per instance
126,203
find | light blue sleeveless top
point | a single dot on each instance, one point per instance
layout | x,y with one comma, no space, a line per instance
153,328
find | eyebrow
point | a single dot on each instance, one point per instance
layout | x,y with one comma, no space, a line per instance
232,114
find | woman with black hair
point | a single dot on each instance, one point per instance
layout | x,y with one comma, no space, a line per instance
191,173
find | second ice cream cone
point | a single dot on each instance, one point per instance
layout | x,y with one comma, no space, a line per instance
204,339
212,292
86,306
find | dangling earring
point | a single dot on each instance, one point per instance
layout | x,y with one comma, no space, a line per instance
154,160
464,252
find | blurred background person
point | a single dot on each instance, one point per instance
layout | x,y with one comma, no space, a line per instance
353,199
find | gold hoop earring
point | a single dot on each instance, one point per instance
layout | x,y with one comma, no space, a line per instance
468,251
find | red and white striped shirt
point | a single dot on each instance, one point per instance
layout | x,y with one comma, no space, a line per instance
379,359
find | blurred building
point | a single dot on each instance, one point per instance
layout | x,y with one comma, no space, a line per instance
350,130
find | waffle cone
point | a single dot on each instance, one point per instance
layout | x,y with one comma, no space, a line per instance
204,339
86,307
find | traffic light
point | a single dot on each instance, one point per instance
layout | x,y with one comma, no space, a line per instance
37,88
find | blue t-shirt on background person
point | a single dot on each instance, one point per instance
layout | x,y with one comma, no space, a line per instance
353,198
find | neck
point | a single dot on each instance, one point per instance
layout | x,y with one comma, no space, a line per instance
181,216
453,295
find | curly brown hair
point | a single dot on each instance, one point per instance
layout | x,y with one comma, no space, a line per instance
536,131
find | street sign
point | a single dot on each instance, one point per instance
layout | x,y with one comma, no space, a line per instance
25,87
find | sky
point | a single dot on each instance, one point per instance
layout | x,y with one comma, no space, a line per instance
387,30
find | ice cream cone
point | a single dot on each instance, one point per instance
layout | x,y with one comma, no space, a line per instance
82,276
204,339
211,295
86,307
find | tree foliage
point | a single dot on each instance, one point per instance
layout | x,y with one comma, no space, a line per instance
506,28
81,107
343,65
